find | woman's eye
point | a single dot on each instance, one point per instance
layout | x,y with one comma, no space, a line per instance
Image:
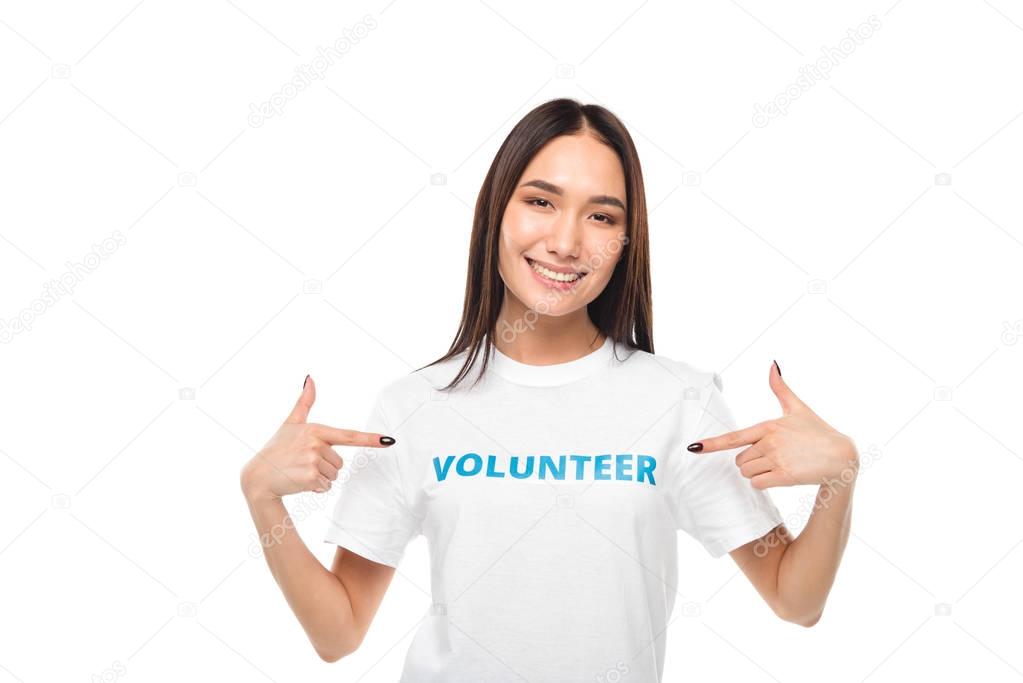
543,204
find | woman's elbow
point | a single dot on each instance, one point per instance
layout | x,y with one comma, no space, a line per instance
809,621
332,652
805,619
332,655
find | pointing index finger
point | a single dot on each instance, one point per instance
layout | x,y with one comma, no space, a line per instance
351,437
300,413
724,442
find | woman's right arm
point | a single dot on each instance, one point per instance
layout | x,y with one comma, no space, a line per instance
335,607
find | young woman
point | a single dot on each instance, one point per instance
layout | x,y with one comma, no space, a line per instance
550,457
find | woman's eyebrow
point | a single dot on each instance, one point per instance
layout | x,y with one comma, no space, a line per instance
554,189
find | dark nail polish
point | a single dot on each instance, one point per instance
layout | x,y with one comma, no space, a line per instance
386,440
695,447
305,381
777,367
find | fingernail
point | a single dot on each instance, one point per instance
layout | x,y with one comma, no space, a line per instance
386,440
695,447
776,367
305,381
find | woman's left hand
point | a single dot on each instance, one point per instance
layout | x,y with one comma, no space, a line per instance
797,448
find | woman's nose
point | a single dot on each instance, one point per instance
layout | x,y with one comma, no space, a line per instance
565,234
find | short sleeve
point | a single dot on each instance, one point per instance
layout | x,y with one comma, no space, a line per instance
719,507
371,516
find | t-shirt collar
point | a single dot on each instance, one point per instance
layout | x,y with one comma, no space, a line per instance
552,375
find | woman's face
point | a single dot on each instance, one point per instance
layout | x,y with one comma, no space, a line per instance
567,215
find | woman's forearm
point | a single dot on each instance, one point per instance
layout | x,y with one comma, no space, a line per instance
314,593
808,567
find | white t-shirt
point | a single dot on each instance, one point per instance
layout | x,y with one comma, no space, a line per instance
551,498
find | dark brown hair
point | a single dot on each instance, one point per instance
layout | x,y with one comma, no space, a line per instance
623,310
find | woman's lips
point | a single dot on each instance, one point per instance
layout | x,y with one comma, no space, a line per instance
553,284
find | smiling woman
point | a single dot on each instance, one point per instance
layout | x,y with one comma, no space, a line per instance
552,487
564,227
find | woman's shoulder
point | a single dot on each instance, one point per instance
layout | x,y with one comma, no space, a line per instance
688,372
422,383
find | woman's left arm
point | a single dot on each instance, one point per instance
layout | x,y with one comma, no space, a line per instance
795,575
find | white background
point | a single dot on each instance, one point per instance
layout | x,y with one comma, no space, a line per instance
318,242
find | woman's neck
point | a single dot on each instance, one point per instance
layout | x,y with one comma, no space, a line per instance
530,337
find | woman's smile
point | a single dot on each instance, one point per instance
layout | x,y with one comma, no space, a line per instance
554,279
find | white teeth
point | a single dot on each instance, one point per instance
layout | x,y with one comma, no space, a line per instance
551,275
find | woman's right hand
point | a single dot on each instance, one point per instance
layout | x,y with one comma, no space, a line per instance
299,456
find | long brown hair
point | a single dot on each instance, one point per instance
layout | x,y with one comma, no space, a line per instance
623,310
